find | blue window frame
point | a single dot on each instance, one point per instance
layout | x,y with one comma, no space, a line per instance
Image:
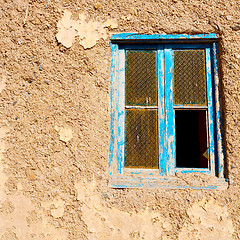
161,54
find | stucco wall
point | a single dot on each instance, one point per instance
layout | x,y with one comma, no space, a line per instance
55,117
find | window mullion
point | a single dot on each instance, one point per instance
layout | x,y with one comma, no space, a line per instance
170,115
141,107
161,109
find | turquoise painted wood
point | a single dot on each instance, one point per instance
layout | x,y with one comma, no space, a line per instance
113,106
211,135
121,177
170,114
189,170
121,110
187,46
168,182
136,36
161,109
140,46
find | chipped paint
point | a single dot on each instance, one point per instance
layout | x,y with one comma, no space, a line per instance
114,112
73,91
136,36
89,32
167,149
170,114
121,111
161,111
196,180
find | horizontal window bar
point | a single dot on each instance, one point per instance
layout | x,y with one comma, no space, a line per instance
189,107
141,107
143,172
191,170
173,37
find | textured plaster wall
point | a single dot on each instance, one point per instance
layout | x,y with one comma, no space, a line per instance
54,123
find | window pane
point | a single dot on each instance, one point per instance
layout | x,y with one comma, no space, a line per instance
141,150
141,78
189,77
191,138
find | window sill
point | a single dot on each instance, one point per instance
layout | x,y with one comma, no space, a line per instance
179,181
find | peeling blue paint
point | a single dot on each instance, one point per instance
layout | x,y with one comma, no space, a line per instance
161,110
193,170
170,114
121,110
113,72
124,177
136,36
166,183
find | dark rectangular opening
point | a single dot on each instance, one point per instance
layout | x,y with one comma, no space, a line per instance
191,139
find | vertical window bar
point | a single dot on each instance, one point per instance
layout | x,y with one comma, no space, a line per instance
170,115
161,110
219,125
113,126
210,113
121,110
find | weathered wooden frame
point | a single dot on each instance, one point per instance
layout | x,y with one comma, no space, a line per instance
165,176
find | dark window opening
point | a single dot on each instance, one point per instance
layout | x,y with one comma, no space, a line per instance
191,139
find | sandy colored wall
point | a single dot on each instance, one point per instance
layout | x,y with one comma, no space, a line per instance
55,116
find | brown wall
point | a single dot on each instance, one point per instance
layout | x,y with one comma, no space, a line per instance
55,116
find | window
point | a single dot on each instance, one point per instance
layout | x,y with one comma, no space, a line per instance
165,111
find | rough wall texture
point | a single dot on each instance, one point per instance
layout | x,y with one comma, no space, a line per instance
54,132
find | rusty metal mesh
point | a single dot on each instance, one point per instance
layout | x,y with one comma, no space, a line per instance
189,77
141,148
141,78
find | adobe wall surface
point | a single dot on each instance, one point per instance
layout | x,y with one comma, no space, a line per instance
55,118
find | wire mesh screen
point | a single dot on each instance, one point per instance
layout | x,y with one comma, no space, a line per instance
141,78
141,149
189,77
